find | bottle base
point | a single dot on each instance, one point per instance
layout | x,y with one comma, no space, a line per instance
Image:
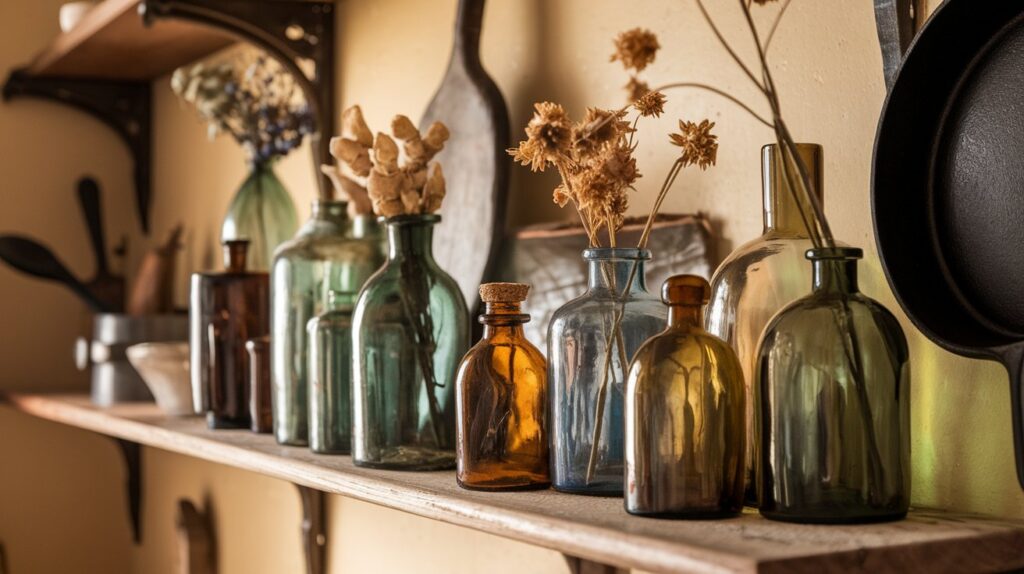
825,519
687,514
602,491
405,466
334,451
413,458
214,422
485,487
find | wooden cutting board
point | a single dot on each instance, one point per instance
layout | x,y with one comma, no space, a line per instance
476,166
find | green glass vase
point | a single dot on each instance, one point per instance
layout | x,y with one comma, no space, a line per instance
330,253
262,212
330,376
410,330
833,404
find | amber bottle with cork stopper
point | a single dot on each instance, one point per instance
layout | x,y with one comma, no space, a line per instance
685,425
501,400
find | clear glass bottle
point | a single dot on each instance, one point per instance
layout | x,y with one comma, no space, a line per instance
762,276
833,386
226,309
685,415
586,380
410,330
502,397
330,252
330,376
263,212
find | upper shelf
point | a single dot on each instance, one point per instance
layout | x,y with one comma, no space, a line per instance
596,529
111,42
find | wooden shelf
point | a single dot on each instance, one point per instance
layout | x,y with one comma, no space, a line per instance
596,529
111,42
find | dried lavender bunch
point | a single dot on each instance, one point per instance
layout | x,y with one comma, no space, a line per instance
257,102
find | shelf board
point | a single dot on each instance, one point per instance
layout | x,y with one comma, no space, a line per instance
112,43
596,529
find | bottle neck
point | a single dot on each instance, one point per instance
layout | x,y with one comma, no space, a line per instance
411,238
837,276
614,273
331,211
685,316
503,320
781,208
235,253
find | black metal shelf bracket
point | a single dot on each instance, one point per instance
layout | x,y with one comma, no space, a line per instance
300,34
124,106
314,529
132,453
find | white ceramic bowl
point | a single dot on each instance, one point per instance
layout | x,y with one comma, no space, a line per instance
72,13
165,369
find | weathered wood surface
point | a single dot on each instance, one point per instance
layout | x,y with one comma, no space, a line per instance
595,529
111,42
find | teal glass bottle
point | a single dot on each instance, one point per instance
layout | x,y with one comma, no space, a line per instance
331,252
410,330
263,212
833,394
330,376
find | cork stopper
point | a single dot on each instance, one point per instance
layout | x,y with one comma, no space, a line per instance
235,251
504,292
685,290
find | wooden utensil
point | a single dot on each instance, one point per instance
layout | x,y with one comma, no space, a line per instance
107,287
153,290
31,257
476,166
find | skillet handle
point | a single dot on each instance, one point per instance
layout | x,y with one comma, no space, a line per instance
1013,360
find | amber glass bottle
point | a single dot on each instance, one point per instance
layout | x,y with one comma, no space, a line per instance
501,400
685,423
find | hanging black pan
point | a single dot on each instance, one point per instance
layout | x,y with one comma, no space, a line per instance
948,187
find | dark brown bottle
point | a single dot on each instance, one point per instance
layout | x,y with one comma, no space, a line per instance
260,411
226,310
501,400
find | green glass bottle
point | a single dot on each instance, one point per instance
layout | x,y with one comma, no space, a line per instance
833,404
330,376
410,329
263,212
685,415
330,252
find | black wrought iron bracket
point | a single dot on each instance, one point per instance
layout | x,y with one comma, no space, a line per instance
132,453
299,34
314,530
124,106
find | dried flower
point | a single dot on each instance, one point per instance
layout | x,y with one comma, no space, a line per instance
700,146
651,104
354,126
548,134
598,128
636,89
636,48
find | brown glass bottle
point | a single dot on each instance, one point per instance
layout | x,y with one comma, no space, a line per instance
261,416
226,310
501,400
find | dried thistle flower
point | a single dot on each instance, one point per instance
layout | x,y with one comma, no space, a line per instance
636,48
636,88
651,104
548,137
700,146
598,128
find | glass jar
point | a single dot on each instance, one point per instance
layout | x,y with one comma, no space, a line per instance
502,400
263,212
685,416
591,341
764,275
833,386
330,253
410,330
330,376
225,310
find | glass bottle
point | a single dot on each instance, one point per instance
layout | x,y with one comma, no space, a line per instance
330,252
833,384
330,376
226,309
685,417
261,417
586,381
410,329
762,276
262,211
501,393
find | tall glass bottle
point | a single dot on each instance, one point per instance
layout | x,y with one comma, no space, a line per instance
588,358
226,309
330,376
502,399
685,413
262,211
833,413
763,276
330,252
410,329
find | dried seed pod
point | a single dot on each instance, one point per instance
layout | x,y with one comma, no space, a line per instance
353,124
433,189
388,208
417,178
403,128
345,188
384,187
415,152
353,154
385,154
411,201
434,140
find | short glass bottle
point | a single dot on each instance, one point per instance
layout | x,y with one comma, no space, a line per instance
330,252
502,396
261,416
330,376
685,417
586,382
410,330
762,276
226,309
833,386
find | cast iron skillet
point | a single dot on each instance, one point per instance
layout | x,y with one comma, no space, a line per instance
948,186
